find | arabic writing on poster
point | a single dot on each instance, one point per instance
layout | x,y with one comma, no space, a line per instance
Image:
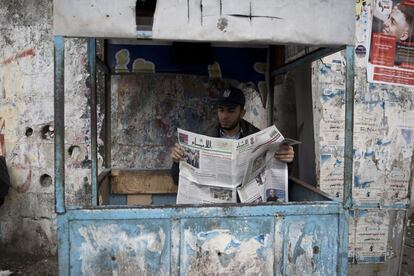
383,144
383,139
331,126
371,236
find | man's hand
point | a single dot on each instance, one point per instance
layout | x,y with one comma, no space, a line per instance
177,153
285,153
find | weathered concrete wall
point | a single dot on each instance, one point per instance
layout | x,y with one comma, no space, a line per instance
26,120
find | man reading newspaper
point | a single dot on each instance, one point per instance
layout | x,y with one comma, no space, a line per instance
217,155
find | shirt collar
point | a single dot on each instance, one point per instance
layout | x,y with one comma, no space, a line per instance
235,137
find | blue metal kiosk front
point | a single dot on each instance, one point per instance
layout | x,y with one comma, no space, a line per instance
306,236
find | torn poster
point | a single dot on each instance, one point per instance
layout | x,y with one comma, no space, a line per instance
371,236
351,237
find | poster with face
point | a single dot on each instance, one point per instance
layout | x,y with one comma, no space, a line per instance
391,53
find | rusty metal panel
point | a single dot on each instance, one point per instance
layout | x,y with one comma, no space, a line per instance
301,245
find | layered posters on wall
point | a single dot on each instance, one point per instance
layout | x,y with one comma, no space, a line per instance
371,236
368,236
391,51
217,170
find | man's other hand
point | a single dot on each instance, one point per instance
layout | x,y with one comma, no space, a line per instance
177,153
285,153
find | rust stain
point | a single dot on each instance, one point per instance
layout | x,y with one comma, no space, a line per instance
161,125
26,53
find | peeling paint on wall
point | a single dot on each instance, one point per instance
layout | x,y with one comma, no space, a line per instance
215,246
233,255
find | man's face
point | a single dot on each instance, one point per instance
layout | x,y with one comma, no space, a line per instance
230,116
272,193
396,25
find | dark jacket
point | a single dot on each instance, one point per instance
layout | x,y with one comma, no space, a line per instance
4,179
246,130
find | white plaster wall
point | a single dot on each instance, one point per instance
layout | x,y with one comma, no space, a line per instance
27,219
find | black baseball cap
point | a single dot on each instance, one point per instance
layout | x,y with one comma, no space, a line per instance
231,96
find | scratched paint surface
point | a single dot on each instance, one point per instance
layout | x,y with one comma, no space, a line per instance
203,241
310,245
227,246
130,247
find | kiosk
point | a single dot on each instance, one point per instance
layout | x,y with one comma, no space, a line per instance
306,236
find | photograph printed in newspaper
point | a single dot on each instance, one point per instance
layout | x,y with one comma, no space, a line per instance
271,184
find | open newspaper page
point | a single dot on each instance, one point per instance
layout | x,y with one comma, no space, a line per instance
193,193
270,184
253,191
265,176
213,168
276,188
206,160
251,153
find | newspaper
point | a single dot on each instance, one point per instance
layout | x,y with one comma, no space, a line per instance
191,193
214,170
270,184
